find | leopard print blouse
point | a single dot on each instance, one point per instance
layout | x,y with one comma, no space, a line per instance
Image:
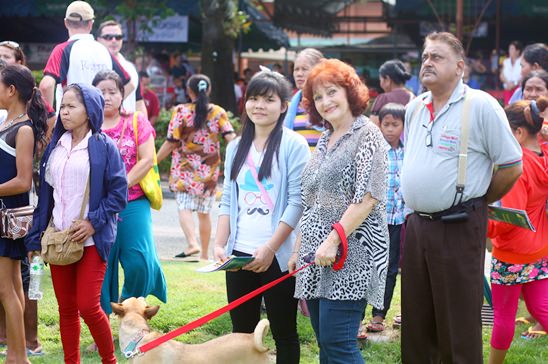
333,179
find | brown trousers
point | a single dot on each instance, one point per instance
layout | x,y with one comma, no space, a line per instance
442,289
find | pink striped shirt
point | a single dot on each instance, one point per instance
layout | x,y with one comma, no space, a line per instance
67,172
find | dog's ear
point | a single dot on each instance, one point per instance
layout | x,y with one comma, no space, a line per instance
150,311
118,308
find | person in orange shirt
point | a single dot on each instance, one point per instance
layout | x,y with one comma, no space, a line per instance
520,256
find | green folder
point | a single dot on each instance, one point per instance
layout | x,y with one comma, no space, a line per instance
230,263
510,216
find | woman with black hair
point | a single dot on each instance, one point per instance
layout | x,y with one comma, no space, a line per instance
260,208
134,247
393,76
12,53
535,85
193,141
24,127
83,187
534,58
519,265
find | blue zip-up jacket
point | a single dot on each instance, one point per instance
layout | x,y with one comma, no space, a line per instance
108,181
293,156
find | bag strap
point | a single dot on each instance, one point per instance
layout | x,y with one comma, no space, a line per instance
253,170
86,198
122,133
463,153
84,203
136,135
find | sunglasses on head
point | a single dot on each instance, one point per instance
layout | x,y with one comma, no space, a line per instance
112,36
10,44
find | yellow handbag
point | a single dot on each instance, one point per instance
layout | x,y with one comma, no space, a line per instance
150,184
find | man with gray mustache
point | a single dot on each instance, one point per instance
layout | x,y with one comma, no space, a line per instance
442,278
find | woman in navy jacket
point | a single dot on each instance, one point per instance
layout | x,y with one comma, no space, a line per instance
78,286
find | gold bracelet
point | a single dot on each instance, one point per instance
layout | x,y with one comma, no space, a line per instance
269,248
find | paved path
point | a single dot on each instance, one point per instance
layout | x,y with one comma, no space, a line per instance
168,235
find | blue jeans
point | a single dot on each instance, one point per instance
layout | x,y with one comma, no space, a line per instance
336,324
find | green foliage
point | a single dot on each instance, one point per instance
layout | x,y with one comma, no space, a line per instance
132,9
38,75
235,20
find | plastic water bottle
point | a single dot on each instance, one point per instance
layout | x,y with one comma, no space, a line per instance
36,273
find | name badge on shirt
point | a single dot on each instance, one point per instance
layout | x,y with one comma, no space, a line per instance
448,142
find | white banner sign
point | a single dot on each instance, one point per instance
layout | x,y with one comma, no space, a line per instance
173,29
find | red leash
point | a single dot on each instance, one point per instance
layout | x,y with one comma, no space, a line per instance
339,263
210,316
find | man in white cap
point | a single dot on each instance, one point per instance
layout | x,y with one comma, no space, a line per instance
110,35
80,57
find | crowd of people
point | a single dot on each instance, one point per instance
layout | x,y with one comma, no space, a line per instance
310,178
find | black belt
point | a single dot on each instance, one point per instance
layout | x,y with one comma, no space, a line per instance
462,208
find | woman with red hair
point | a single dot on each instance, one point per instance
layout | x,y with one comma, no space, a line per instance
344,199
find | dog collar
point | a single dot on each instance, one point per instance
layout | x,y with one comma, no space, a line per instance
131,349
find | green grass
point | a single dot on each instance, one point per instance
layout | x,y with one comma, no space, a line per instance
191,295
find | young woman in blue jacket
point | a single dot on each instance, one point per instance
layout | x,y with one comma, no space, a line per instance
260,208
79,153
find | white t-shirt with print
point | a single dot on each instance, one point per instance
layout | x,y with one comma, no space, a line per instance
254,215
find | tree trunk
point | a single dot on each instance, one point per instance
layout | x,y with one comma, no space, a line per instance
217,51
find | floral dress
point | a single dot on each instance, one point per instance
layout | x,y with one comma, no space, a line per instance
510,274
195,165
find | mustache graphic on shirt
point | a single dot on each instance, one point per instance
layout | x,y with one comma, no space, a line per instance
259,210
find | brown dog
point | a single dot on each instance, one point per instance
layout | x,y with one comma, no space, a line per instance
228,349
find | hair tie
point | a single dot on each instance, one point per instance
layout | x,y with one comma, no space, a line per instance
535,112
529,117
202,85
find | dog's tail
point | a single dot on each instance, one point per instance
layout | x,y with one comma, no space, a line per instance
259,334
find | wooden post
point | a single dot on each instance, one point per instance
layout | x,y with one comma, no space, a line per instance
460,19
497,44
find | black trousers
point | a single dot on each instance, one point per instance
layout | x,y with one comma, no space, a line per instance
442,289
281,308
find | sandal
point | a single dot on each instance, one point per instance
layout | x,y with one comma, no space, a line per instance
397,321
189,257
375,326
532,334
362,332
190,254
35,352
523,320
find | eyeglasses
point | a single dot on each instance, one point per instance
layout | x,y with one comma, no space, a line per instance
10,44
112,36
251,198
429,142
